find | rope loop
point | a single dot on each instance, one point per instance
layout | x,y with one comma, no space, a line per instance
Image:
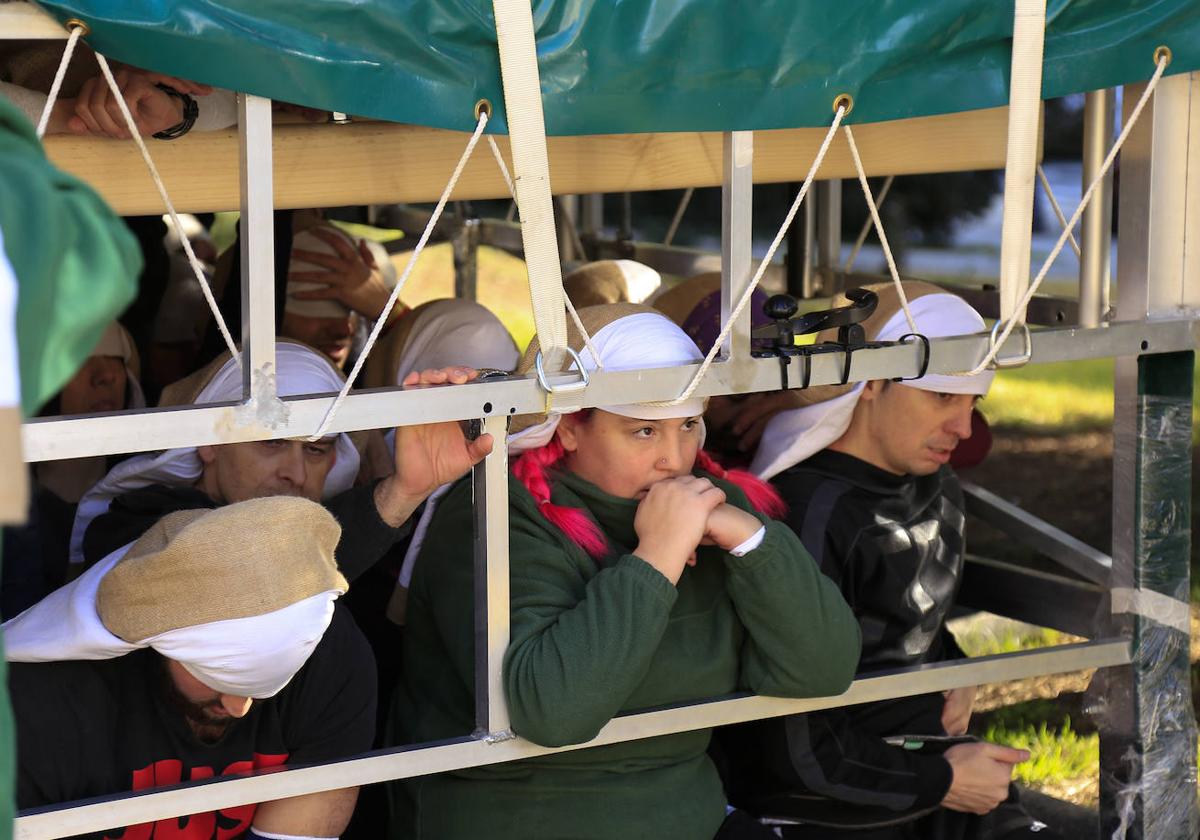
412,261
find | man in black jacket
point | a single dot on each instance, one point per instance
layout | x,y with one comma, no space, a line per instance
864,471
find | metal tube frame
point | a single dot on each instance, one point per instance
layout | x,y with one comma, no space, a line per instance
1165,293
1095,228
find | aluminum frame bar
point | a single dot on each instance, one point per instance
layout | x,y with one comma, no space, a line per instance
1095,228
47,439
416,760
256,167
491,582
829,236
1069,552
737,200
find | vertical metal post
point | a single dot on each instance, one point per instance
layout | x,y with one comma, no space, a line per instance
737,193
568,206
465,247
256,163
808,278
1024,128
829,235
1095,233
491,580
1148,742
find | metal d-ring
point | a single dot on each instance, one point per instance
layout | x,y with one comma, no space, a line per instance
1012,361
924,358
568,388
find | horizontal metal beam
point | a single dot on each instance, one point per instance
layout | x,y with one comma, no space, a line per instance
140,431
418,760
1027,529
1030,595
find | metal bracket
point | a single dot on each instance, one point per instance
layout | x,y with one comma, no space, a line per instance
568,396
1012,361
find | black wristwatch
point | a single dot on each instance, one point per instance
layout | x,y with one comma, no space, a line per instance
190,111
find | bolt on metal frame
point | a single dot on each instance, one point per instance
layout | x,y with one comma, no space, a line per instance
1161,281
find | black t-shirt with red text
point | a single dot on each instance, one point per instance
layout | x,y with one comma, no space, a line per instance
90,728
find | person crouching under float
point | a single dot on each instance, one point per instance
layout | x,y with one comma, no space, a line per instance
641,574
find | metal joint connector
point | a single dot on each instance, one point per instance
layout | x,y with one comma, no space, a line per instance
492,738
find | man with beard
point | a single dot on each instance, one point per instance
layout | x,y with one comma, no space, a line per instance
196,652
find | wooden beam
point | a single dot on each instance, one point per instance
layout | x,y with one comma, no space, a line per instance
379,163
20,20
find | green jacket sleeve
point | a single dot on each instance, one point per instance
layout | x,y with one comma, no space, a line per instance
76,262
572,635
802,639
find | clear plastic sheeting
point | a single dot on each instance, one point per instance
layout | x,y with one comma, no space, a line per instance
1145,712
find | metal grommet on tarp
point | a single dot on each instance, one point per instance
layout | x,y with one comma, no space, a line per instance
843,100
1162,51
483,106
76,23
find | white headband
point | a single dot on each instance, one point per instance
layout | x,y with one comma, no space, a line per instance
301,371
793,436
635,342
254,656
456,332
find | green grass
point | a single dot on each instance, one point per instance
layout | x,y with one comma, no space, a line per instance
1057,753
1009,637
1058,397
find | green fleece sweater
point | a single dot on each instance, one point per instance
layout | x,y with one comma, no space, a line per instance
590,641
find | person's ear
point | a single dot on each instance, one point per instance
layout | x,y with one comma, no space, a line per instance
872,389
568,432
207,454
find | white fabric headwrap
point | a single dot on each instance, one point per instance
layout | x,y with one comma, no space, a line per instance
793,436
116,341
301,371
456,332
246,657
635,342
642,340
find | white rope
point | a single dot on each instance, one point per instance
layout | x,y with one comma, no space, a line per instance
412,261
673,228
587,338
744,300
76,34
197,270
867,224
883,240
1062,220
512,190
1070,224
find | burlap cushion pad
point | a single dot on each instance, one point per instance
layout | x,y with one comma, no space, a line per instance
199,566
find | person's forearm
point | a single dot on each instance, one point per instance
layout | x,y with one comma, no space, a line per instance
804,639
395,506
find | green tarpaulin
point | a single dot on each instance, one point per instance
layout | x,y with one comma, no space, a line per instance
76,266
615,67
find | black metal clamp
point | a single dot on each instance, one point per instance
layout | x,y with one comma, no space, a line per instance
850,334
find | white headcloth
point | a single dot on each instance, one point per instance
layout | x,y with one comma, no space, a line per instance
456,332
301,371
246,657
793,436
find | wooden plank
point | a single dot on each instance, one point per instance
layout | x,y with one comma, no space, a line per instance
26,20
378,163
